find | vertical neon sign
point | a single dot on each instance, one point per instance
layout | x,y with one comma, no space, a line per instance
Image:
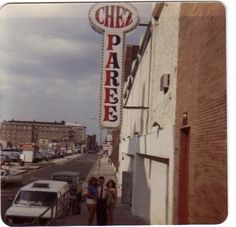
113,21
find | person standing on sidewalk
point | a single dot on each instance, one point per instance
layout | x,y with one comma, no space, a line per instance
101,202
111,194
91,201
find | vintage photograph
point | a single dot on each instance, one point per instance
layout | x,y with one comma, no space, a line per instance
113,113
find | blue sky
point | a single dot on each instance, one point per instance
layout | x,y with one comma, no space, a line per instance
50,62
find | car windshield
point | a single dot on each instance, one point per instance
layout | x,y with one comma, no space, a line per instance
36,198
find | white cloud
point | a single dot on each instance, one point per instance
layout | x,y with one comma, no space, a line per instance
45,10
49,62
57,46
38,44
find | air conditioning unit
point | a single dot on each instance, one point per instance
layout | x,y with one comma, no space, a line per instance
165,82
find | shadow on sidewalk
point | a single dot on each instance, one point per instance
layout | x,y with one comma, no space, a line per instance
122,213
122,216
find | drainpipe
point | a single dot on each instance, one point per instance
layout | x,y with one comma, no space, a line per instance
149,82
155,15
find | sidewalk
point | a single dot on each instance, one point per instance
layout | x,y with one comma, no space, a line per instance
122,213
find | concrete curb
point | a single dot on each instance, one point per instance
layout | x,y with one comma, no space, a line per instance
19,172
33,166
29,167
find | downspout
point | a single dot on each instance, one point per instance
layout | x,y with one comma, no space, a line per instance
148,102
149,81
155,16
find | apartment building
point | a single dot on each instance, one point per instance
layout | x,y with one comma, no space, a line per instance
20,132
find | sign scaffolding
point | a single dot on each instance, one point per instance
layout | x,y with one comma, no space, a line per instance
113,21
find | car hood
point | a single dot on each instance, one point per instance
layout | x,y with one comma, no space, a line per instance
27,211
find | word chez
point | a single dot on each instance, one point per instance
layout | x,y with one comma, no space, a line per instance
112,20
114,16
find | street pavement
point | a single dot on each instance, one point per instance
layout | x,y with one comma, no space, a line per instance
122,213
88,165
43,171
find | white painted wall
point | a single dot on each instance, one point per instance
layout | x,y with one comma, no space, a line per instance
164,60
141,189
152,195
158,189
127,149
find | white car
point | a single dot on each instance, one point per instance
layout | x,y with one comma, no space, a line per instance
69,152
41,201
8,178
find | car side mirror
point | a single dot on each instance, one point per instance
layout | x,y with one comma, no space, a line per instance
10,198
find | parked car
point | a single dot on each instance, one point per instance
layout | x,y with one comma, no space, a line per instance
78,150
73,178
52,153
4,159
61,153
75,181
38,156
69,152
32,200
14,156
51,156
58,154
8,178
46,155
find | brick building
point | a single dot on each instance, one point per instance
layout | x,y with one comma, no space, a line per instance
201,146
19,132
172,147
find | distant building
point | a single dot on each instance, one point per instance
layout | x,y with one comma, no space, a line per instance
20,132
109,137
77,132
91,142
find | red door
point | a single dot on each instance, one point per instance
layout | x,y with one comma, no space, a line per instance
183,176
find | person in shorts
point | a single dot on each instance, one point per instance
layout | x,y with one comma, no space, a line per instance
111,194
91,200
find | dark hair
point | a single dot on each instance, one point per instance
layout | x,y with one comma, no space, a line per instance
113,183
91,179
102,178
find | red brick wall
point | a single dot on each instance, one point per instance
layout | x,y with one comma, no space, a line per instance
201,91
115,148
